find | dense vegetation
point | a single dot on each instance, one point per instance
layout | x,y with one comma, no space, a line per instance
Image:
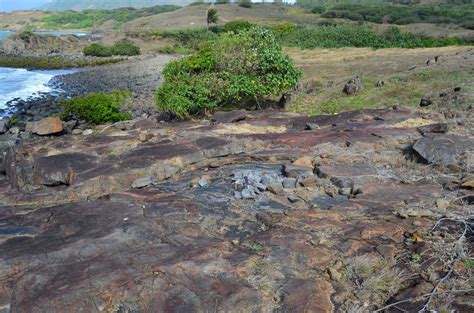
327,35
122,47
457,14
344,35
238,70
52,63
97,107
94,18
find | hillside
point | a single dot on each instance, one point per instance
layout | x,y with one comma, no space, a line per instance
61,5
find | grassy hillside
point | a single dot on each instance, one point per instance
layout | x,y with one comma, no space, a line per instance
77,5
95,18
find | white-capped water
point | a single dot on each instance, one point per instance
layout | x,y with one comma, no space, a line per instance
23,84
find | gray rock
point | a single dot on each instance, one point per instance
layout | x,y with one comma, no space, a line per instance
296,171
87,132
276,188
345,191
445,150
248,194
239,185
425,102
293,199
289,183
238,194
312,126
353,86
202,182
260,186
77,131
3,127
433,128
14,130
142,182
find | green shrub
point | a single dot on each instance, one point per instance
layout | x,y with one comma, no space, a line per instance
382,13
97,50
245,4
238,70
318,9
283,29
97,108
344,35
237,26
123,47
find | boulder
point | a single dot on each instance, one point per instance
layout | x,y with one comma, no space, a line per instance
230,117
295,171
433,128
47,126
444,150
353,86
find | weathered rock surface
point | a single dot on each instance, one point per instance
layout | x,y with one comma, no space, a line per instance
47,126
75,235
446,150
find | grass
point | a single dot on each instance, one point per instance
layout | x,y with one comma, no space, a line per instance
95,18
402,87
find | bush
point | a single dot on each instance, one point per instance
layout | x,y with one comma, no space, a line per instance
345,35
238,70
123,47
318,9
97,108
97,50
245,4
237,26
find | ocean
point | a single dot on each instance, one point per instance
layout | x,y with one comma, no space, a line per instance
23,84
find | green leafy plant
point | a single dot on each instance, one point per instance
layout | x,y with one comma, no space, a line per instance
245,4
122,47
97,108
238,70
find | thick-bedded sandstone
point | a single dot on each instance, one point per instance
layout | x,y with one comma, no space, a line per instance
109,223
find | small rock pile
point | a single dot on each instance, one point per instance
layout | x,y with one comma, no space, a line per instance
248,184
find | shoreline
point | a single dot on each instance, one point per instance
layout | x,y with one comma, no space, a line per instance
140,75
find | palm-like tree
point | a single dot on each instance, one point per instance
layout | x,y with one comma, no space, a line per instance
212,16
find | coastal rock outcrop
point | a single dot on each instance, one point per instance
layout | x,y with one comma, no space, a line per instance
108,222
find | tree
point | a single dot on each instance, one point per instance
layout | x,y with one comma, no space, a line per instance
239,70
212,16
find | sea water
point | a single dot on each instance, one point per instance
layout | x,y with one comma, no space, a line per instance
23,84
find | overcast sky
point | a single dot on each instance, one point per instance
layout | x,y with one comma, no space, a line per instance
10,5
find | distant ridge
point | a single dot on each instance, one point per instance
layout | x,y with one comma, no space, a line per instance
78,5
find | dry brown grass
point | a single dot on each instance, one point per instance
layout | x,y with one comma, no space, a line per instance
328,69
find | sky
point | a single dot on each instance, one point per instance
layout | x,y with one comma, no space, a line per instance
11,5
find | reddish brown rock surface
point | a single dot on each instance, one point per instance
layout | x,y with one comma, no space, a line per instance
76,237
47,126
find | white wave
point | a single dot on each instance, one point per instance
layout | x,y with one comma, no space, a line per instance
23,84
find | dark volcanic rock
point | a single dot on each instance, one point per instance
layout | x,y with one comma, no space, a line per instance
445,150
434,128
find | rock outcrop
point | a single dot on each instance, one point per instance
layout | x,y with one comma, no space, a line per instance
109,222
